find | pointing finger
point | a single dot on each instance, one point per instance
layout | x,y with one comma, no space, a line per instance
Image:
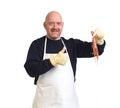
63,50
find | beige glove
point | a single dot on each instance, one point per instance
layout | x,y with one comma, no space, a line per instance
60,58
99,36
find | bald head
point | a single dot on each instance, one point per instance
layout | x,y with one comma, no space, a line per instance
53,14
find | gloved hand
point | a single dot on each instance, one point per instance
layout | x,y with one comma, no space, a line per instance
99,36
60,58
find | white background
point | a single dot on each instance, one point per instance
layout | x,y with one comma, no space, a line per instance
21,21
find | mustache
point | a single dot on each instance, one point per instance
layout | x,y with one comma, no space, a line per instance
55,30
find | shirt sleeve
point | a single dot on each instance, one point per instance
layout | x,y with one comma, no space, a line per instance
35,65
84,49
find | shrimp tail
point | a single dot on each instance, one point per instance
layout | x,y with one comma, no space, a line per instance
94,46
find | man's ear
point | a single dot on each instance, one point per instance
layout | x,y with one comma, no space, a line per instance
44,24
63,23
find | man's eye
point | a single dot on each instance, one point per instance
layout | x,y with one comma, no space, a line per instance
59,23
51,23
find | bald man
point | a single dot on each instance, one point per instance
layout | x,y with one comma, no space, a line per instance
52,59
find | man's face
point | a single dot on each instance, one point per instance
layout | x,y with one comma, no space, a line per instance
53,26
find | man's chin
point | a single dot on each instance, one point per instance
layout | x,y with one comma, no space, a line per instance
55,36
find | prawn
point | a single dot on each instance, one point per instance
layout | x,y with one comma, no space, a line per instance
94,46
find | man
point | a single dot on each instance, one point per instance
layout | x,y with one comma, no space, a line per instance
52,61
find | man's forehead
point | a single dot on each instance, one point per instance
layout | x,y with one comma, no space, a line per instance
54,16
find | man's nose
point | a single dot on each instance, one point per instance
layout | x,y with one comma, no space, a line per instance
55,25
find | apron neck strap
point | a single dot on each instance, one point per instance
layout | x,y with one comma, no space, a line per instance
45,45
